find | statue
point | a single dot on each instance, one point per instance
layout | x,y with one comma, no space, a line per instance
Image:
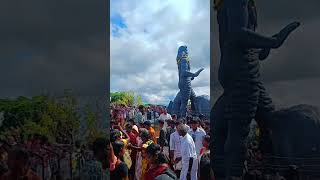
186,92
244,97
201,105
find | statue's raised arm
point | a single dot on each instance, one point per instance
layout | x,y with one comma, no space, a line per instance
186,72
240,35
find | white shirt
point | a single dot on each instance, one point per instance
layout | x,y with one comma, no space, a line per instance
165,117
175,144
188,150
131,113
197,137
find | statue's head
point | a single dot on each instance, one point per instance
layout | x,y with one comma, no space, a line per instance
182,53
218,3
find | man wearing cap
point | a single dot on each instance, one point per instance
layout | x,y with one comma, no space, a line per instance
188,155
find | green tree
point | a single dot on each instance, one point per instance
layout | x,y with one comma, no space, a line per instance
92,131
125,98
139,100
50,116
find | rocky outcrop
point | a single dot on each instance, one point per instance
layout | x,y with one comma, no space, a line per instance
295,136
201,105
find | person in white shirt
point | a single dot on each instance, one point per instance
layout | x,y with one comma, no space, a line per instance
165,116
188,154
175,150
197,135
131,113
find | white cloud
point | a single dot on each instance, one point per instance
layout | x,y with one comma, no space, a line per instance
143,54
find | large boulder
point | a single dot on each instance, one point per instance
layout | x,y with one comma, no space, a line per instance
202,105
295,136
170,107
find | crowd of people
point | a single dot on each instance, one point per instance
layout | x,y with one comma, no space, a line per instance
145,143
30,158
148,143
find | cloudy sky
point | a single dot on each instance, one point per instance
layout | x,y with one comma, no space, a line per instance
291,73
48,46
145,36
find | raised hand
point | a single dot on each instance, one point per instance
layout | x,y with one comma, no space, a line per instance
285,32
198,72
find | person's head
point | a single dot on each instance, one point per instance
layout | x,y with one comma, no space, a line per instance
37,139
194,123
135,130
188,123
141,108
128,128
144,135
165,111
155,156
118,149
147,124
182,53
115,135
113,123
206,141
178,122
18,160
78,144
161,123
171,123
131,121
44,140
174,117
202,117
101,148
182,129
189,118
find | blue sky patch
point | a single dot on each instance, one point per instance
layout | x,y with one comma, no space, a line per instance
118,23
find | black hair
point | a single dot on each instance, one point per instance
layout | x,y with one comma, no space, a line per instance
144,133
77,143
189,118
155,150
99,144
114,135
128,126
44,140
117,147
20,154
141,107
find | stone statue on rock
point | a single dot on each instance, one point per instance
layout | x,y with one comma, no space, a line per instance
186,93
244,97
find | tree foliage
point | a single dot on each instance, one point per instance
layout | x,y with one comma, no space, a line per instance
48,116
92,131
125,98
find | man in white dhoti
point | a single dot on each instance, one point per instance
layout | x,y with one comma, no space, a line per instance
188,154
